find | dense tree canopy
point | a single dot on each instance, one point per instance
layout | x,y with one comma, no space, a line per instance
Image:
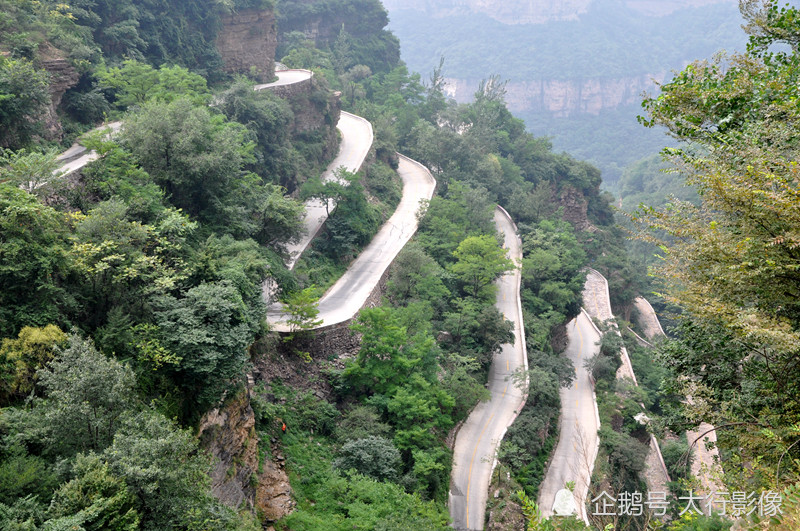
732,261
153,257
23,100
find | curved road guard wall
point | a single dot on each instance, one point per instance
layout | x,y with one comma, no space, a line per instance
648,319
597,299
477,440
349,294
705,462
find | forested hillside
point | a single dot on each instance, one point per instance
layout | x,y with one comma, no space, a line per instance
730,259
141,386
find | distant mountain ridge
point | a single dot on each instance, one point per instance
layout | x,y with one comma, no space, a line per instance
537,11
564,97
604,58
568,63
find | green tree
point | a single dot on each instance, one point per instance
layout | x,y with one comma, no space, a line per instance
125,264
302,307
354,222
359,423
116,175
96,497
209,328
372,456
133,82
166,474
197,157
242,263
418,409
33,262
24,98
86,397
277,219
480,260
20,358
32,171
22,474
732,260
269,119
431,469
329,192
446,222
476,330
388,356
415,276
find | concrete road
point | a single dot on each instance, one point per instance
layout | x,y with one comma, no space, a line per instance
705,462
573,458
78,156
286,77
477,441
345,298
355,145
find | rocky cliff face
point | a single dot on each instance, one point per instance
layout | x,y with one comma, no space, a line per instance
534,11
238,478
247,41
575,207
564,97
63,77
317,110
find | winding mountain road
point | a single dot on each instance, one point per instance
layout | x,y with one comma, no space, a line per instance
478,439
349,294
574,455
287,77
705,462
356,142
597,301
77,156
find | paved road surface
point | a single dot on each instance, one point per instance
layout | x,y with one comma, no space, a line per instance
575,453
705,462
286,77
345,298
355,145
479,437
597,301
78,156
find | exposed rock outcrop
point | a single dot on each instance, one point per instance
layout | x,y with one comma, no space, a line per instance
229,435
316,110
274,494
247,43
575,208
322,21
238,479
63,76
564,97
